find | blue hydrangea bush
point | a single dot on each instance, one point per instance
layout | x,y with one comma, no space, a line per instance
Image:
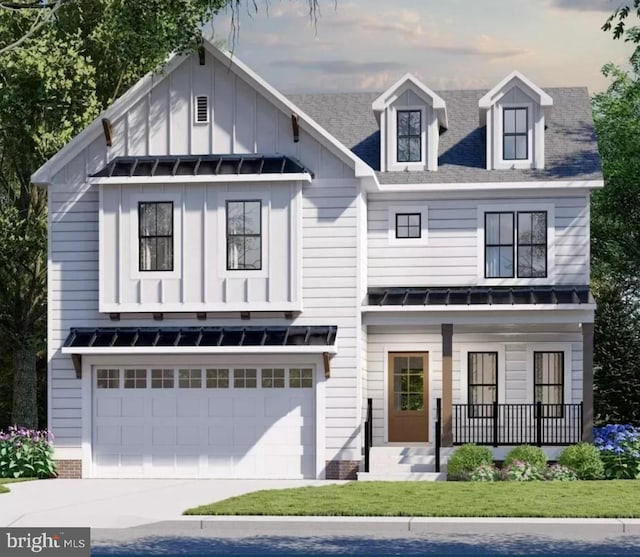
619,446
26,453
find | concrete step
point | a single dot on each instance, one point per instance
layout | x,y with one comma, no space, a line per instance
390,460
378,468
402,477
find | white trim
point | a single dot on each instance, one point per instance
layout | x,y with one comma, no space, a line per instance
186,350
493,96
135,199
87,420
422,210
564,347
508,187
464,350
429,349
265,226
197,307
321,435
202,179
550,278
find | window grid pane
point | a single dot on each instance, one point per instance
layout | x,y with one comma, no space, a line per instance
273,378
217,379
162,379
300,378
189,379
499,245
515,123
244,378
409,135
408,225
108,378
135,378
244,236
532,244
548,377
155,236
482,383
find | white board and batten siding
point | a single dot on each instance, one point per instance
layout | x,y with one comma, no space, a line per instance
452,254
325,211
517,369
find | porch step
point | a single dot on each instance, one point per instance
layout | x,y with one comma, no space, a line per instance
402,477
402,463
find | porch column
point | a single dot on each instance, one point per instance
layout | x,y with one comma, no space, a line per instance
587,382
447,385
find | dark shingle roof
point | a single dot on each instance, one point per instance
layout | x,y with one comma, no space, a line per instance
571,151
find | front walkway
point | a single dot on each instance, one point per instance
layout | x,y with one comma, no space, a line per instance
119,503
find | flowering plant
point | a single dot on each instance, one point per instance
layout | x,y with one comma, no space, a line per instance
557,472
619,446
521,471
26,453
484,473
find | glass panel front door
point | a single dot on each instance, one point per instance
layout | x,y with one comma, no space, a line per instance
408,400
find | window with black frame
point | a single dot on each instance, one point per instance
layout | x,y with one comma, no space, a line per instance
244,235
548,382
408,225
409,128
515,140
532,244
499,247
155,236
482,383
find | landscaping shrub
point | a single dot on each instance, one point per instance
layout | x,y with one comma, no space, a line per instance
585,459
527,453
619,446
26,453
466,459
521,471
560,473
484,473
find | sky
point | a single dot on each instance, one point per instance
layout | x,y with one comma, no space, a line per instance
366,45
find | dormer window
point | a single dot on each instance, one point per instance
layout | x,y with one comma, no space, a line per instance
514,114
515,143
409,128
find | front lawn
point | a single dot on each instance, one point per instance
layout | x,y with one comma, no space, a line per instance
4,489
578,499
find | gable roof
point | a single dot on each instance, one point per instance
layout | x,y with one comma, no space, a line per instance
409,81
492,96
43,175
571,151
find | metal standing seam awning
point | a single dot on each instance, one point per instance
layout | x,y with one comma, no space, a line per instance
274,166
201,340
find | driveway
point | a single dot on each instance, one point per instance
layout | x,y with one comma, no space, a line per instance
119,503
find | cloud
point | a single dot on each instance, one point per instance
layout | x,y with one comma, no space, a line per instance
608,6
338,67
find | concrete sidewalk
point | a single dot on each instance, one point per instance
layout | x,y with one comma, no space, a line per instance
119,503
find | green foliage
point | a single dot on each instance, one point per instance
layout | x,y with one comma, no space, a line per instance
466,459
484,473
615,249
26,453
528,454
585,459
522,471
617,24
619,446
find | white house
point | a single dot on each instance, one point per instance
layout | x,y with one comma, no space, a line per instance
238,279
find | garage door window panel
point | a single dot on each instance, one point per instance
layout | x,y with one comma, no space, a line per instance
108,378
273,378
135,378
217,379
162,379
300,378
190,379
244,378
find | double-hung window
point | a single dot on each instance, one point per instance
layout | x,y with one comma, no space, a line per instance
155,236
501,249
244,235
482,383
548,382
515,135
409,135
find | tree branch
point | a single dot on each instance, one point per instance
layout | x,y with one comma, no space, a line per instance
38,24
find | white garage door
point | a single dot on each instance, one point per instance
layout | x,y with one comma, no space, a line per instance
227,422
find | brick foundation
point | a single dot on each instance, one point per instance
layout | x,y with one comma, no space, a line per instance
342,469
69,469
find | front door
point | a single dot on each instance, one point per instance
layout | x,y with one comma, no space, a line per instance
408,397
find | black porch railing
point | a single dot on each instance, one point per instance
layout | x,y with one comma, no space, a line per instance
438,432
517,424
368,434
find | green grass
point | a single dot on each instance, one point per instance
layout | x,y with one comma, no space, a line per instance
580,499
4,489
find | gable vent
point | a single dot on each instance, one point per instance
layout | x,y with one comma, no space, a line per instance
202,109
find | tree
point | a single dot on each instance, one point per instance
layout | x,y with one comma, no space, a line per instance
617,24
61,63
615,226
